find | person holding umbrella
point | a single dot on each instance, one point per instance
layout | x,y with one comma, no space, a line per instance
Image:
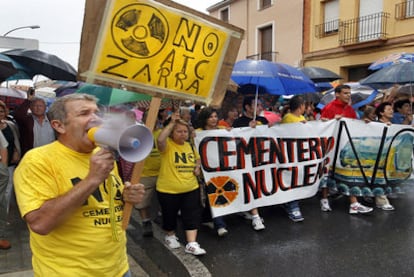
250,118
336,109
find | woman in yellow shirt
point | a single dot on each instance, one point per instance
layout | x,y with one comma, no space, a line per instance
177,185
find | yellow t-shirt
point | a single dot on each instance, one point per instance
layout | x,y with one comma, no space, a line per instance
153,161
291,118
177,167
82,245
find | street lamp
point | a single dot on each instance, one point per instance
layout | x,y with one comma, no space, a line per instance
24,27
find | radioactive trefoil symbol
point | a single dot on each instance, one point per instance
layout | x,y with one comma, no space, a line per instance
139,30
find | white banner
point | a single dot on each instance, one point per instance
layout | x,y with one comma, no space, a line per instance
245,168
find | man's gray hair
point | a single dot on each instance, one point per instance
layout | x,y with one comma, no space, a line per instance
57,110
35,99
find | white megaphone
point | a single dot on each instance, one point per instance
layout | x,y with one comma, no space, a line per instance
133,142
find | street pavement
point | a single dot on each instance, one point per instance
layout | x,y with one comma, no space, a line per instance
325,244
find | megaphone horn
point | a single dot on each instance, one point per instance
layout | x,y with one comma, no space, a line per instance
133,143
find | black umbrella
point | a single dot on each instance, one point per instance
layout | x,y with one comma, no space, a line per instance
388,76
312,97
6,69
43,63
319,74
405,90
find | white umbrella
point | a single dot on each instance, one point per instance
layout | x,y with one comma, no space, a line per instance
13,92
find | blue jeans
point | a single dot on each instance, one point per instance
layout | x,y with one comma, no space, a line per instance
292,206
219,222
127,274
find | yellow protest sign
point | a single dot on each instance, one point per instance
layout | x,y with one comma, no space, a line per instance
158,48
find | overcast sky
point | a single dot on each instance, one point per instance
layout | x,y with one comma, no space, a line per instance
60,23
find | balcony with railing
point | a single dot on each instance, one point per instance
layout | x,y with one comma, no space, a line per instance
327,28
367,28
404,10
269,56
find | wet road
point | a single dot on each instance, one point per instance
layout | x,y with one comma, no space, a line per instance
325,244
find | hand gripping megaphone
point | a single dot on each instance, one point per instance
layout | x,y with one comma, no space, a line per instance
132,142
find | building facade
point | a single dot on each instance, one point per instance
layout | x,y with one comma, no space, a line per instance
273,28
344,36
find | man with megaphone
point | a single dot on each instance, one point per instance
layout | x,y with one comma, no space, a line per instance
72,198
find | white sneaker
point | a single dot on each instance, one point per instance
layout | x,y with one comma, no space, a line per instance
172,242
221,232
257,223
325,207
386,207
195,249
358,208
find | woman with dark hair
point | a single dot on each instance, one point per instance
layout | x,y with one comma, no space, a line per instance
402,112
208,120
384,112
230,114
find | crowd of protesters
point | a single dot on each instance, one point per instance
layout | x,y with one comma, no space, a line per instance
178,192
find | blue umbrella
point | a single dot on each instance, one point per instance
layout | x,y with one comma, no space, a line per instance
274,78
392,59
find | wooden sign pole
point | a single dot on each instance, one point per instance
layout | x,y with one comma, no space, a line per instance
138,167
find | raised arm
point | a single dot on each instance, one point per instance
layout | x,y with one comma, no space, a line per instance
166,131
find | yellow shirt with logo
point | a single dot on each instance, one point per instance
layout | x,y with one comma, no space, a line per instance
153,161
177,167
291,118
84,244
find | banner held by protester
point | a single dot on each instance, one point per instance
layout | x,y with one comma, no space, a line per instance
246,168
